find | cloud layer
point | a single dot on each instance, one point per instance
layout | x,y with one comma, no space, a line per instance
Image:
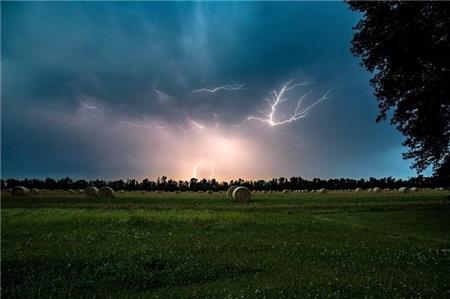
114,90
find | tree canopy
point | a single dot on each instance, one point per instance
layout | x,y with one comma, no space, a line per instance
406,45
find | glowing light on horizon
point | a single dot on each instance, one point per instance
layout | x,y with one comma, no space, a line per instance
209,168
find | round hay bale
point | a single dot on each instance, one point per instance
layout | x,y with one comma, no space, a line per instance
106,192
209,192
20,191
241,194
359,189
403,190
414,189
34,191
71,191
285,191
91,191
376,189
323,190
230,191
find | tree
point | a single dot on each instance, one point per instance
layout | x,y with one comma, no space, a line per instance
406,46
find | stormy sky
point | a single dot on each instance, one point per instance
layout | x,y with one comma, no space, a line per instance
241,89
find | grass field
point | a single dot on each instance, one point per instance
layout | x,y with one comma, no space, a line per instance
339,244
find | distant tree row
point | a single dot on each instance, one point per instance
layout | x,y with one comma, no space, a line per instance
294,183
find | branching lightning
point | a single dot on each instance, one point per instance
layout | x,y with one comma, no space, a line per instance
279,97
232,87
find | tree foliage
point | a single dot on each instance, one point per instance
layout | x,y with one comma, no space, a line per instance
277,184
406,45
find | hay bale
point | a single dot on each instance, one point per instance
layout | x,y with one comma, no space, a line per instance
242,194
230,191
20,191
285,191
376,189
106,192
403,190
34,191
414,189
322,190
91,191
359,189
209,192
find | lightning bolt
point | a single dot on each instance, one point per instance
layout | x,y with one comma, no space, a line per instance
279,97
200,163
85,104
232,87
158,92
147,126
197,125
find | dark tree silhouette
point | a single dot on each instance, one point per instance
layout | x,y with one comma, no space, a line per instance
406,46
294,183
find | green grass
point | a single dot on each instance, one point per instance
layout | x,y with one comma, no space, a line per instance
192,245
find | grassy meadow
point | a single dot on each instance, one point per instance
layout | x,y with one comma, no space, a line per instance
197,245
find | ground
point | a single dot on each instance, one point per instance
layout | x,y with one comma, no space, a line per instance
197,245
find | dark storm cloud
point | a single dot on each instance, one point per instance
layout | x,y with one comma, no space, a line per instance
74,74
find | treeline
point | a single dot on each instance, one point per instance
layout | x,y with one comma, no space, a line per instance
294,183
